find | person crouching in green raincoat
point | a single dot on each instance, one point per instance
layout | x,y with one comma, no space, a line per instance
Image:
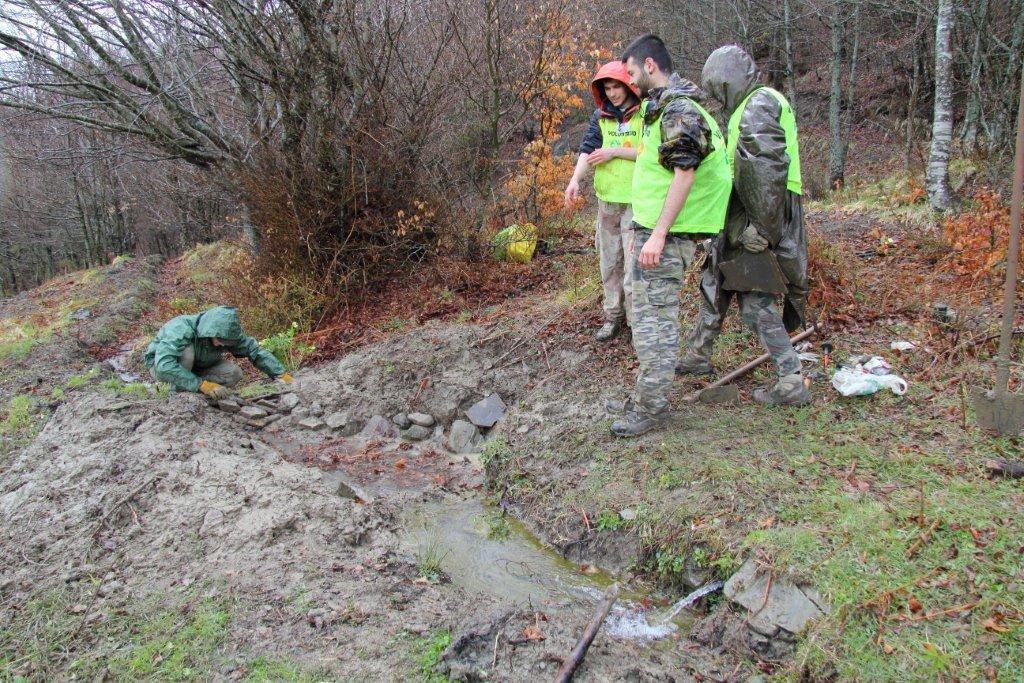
188,353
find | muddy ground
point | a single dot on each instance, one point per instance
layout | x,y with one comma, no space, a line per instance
154,535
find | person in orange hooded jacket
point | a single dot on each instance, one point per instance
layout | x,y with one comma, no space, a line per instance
610,148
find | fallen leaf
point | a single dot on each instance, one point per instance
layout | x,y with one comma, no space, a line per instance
995,624
400,464
887,648
533,633
766,523
915,605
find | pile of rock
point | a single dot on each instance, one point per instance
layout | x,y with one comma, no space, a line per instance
778,608
464,436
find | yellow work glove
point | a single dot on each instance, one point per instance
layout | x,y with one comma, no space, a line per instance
214,390
286,378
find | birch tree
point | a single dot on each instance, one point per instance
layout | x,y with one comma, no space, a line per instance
940,196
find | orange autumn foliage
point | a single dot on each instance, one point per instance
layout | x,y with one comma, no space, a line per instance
978,239
534,189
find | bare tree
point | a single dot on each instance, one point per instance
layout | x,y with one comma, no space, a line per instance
939,193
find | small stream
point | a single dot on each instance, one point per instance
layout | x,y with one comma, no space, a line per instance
502,559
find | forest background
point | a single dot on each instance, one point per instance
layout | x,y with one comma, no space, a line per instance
345,143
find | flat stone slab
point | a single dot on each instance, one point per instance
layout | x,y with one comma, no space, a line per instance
784,605
345,487
487,412
402,421
336,420
289,402
229,406
421,419
311,423
252,412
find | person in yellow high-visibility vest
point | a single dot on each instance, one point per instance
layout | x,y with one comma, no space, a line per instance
765,217
609,147
681,187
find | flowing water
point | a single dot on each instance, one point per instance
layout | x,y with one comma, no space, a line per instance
488,554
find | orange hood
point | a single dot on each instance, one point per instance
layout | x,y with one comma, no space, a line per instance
616,70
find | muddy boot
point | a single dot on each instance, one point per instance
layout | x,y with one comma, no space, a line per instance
692,364
788,391
608,331
619,406
635,423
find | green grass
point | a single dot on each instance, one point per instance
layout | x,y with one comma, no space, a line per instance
831,492
257,389
430,559
139,390
19,417
165,637
17,340
83,379
427,651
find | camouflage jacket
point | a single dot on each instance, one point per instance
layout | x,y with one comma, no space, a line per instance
685,135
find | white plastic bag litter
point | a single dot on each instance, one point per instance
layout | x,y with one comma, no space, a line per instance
868,378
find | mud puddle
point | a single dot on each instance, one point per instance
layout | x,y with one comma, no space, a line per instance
487,553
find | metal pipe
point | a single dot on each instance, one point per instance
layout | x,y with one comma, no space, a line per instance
1012,256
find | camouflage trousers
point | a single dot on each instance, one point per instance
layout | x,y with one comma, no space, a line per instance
613,241
224,373
656,319
760,312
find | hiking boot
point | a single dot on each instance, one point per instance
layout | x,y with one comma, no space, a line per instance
788,391
619,406
635,423
692,364
608,331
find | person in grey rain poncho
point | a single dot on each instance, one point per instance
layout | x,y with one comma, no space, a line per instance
765,218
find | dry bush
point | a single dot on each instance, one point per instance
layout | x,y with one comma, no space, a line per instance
978,239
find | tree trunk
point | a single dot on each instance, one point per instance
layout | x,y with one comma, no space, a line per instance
915,90
851,86
837,147
972,119
787,33
937,181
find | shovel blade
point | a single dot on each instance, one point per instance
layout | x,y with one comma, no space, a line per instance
724,395
1004,415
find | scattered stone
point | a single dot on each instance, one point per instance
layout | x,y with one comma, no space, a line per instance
300,413
252,412
417,433
81,314
311,423
421,419
289,402
316,410
337,420
463,437
402,421
345,487
523,429
378,427
229,406
108,589
784,605
487,412
627,514
211,520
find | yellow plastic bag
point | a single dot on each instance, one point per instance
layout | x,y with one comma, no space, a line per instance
516,243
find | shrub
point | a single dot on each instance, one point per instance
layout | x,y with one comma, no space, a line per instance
286,348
